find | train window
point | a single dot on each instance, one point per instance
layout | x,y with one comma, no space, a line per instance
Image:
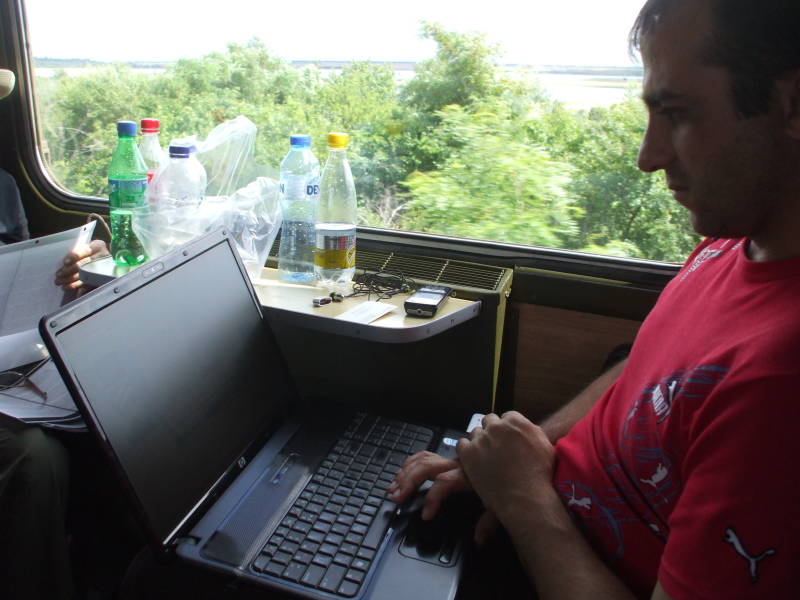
519,125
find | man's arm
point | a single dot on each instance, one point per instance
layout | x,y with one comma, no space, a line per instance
509,463
447,474
560,422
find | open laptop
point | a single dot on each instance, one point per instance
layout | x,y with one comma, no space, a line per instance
181,380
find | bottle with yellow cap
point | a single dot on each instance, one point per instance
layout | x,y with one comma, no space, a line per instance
335,227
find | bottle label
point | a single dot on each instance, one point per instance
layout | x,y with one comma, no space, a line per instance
335,251
127,193
299,187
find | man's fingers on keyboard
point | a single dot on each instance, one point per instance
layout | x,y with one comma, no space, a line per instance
423,456
446,483
415,471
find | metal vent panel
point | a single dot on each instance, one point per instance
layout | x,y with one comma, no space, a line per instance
438,270
487,278
425,268
372,261
417,268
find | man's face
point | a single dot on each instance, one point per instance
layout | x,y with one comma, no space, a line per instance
726,170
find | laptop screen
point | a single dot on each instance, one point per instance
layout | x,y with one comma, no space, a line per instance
181,375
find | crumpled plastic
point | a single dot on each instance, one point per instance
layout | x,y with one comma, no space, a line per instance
227,154
249,210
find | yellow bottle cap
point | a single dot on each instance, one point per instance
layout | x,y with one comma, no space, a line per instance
338,140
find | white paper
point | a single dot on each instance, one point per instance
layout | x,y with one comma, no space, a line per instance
25,404
367,312
28,290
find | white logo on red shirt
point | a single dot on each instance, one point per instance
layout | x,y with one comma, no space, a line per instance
585,502
659,476
752,561
662,404
705,254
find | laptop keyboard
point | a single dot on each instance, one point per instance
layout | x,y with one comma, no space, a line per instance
328,539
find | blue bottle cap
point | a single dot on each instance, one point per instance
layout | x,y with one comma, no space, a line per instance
304,141
181,150
126,128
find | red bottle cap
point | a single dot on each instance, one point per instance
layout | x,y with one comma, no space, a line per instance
149,125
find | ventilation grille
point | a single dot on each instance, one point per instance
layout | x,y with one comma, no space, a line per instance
435,270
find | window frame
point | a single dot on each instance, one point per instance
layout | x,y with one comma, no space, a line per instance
25,125
640,273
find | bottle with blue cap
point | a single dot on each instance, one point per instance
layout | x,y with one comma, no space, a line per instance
299,184
127,182
182,183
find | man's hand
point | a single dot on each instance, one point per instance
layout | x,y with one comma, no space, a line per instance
507,462
68,276
447,476
448,479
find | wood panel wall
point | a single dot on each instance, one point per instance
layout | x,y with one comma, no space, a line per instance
559,352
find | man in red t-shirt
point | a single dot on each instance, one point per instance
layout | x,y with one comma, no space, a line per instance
672,475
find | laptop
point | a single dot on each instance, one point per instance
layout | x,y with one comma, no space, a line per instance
180,378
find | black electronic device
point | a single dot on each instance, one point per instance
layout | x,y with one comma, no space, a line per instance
222,461
427,300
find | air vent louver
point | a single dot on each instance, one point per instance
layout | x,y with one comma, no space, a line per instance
424,268
371,261
436,270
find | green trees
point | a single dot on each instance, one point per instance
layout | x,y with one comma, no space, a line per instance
623,211
493,185
460,149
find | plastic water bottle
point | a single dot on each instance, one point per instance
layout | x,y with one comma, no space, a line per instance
150,147
335,252
127,182
182,183
299,197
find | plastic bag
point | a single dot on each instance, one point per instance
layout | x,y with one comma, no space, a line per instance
251,211
252,216
227,155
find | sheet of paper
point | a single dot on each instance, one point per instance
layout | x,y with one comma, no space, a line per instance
28,291
21,348
367,312
24,403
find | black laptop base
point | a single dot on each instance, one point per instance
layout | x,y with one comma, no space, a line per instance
337,536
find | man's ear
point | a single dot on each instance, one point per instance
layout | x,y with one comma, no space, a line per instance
789,94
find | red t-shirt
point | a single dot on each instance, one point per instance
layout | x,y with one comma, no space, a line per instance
685,472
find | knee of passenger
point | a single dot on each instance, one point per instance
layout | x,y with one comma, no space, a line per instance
39,453
13,451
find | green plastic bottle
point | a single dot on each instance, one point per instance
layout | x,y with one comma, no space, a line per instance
127,182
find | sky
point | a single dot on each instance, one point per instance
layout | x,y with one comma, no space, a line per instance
565,32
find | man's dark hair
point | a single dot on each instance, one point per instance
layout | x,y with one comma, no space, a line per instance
758,41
